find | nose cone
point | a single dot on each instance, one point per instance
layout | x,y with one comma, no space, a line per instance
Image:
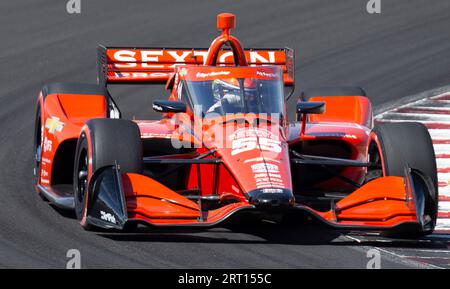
271,198
258,160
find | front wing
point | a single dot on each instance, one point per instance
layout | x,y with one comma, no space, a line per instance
386,203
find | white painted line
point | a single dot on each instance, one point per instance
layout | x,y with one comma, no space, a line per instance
442,118
443,163
441,148
440,133
353,238
425,122
435,103
439,96
433,251
444,191
424,107
444,206
423,257
443,177
443,224
402,258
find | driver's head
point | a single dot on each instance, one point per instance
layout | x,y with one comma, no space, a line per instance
230,89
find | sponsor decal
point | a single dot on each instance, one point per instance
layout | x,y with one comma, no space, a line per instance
156,58
44,173
48,145
141,74
261,159
157,107
156,135
212,73
253,132
266,74
262,167
53,124
249,139
107,217
267,175
272,191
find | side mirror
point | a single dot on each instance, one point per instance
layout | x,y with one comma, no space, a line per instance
169,106
310,107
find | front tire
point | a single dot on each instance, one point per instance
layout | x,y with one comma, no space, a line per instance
406,144
103,142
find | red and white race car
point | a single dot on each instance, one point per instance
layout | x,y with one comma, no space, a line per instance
224,148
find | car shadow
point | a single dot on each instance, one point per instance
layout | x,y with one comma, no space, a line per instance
304,233
70,214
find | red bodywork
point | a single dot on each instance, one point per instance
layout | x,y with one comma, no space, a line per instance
342,131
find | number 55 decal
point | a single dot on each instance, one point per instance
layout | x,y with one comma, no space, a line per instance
250,143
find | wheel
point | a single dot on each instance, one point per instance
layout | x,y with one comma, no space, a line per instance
37,150
401,144
37,146
104,142
332,91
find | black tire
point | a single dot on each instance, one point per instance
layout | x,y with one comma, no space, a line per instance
111,141
37,150
408,143
332,91
37,145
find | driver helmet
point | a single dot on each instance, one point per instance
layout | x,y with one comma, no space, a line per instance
230,89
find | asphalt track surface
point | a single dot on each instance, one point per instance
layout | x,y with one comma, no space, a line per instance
402,51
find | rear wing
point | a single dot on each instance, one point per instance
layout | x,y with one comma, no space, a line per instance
156,65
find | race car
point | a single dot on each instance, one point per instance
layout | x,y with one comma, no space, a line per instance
224,148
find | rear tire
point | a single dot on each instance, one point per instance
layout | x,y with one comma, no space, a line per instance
402,144
104,142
